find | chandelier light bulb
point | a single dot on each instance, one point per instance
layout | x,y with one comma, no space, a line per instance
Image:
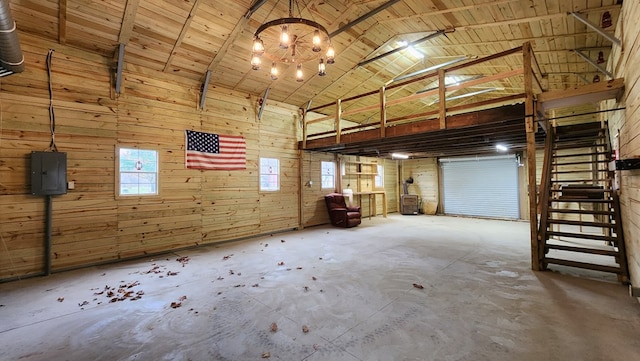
258,47
299,75
284,37
274,71
317,43
255,62
331,55
321,68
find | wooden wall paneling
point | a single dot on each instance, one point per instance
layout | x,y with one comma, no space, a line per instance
624,62
425,185
315,210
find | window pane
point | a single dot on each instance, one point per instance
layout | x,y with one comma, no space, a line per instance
379,179
269,174
328,174
138,171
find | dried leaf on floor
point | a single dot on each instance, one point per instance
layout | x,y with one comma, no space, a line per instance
84,303
183,260
60,299
255,285
281,263
171,273
306,288
274,327
282,240
305,329
266,355
182,298
227,257
417,285
176,304
231,272
298,267
314,278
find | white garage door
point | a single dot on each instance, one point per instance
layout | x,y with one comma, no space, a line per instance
483,186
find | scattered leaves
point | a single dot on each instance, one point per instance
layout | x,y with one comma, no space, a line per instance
266,354
417,285
60,299
274,327
255,285
176,304
183,260
305,329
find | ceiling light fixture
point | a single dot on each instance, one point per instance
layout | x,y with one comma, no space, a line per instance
292,40
399,156
501,148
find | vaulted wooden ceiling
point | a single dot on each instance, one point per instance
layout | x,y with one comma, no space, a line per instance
191,37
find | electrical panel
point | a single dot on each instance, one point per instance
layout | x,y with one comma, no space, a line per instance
48,173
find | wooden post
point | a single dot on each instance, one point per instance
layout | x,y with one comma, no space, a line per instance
383,112
338,116
530,127
442,94
304,129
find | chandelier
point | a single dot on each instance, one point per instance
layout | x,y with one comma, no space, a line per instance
291,40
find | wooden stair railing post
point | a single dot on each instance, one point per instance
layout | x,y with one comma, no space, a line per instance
545,194
383,111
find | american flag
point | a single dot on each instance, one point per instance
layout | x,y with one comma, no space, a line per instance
215,151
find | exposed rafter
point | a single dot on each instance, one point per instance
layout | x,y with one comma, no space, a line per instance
183,32
128,20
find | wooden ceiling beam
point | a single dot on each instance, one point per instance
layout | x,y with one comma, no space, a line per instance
62,22
128,20
183,32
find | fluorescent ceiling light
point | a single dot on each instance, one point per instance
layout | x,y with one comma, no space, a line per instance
501,147
399,156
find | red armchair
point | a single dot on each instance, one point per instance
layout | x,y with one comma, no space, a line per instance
340,214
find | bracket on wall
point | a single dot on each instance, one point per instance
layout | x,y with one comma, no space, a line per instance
262,103
596,28
205,87
593,63
119,68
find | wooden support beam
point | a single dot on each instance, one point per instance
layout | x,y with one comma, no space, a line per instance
128,20
412,18
430,36
337,122
530,127
442,95
62,22
383,112
363,17
183,32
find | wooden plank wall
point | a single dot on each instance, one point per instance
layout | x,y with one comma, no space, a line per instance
425,181
624,63
90,224
314,210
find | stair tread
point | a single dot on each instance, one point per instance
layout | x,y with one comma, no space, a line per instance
602,252
595,237
581,200
592,266
580,211
581,223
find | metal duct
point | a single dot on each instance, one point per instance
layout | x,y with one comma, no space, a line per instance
11,58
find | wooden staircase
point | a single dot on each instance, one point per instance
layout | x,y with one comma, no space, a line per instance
579,210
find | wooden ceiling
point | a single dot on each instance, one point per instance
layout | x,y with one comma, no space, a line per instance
191,37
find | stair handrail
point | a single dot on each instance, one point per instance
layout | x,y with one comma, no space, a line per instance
545,191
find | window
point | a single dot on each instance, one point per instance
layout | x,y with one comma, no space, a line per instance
269,174
328,175
138,172
379,179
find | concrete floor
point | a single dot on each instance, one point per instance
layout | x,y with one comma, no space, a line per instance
351,288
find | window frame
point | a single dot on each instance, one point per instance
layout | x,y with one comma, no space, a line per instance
118,173
322,175
379,176
277,174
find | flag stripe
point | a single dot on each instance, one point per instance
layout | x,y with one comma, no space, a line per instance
213,151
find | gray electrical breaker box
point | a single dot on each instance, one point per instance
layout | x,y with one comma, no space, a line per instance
48,173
